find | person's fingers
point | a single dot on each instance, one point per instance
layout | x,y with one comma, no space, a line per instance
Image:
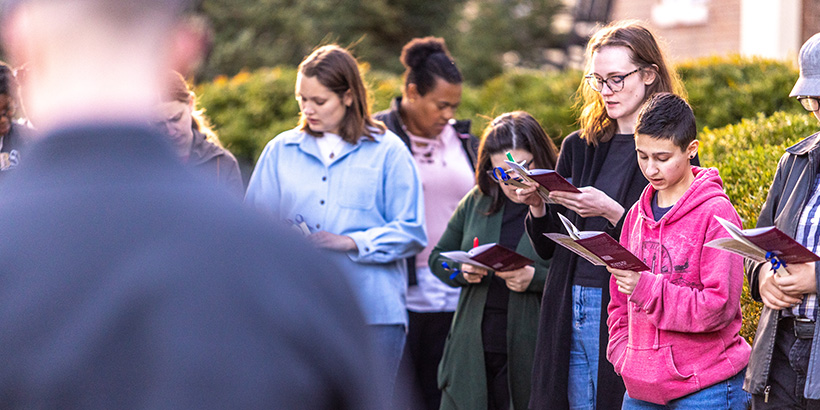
778,299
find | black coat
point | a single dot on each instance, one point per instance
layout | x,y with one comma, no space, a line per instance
127,282
581,163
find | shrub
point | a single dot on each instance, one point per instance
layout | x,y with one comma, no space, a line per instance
724,90
746,155
249,109
252,107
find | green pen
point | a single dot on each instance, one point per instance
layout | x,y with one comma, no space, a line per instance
510,157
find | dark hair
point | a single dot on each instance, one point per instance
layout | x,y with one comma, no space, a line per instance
336,69
513,130
177,89
426,59
596,126
8,85
667,116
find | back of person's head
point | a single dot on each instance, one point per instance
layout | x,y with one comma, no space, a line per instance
645,52
337,70
94,59
425,60
667,116
513,130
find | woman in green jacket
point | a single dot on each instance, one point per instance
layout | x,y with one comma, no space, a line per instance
488,356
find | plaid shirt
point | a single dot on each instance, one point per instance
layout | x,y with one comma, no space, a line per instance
808,234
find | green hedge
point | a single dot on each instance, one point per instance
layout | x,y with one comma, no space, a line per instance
724,90
746,155
251,108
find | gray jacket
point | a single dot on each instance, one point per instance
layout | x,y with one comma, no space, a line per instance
792,185
216,164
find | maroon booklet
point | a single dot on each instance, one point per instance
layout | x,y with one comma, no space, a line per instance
552,180
756,243
490,256
597,247
547,178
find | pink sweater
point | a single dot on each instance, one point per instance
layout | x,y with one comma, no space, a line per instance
678,331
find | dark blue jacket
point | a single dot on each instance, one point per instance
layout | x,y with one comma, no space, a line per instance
126,282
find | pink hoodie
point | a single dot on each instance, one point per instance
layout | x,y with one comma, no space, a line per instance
678,331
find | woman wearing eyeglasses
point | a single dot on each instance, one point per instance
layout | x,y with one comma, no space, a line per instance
784,368
625,66
488,355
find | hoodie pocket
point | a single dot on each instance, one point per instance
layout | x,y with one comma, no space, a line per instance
651,375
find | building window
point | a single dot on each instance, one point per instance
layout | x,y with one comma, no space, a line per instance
676,13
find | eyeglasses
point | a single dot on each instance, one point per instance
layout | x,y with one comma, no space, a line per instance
499,174
615,83
810,103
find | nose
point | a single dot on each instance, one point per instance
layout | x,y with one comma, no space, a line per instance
169,129
605,90
448,113
307,108
651,168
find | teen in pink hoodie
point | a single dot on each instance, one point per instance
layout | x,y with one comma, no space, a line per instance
673,330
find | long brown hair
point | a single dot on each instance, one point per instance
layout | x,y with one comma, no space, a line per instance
596,126
513,130
336,69
177,89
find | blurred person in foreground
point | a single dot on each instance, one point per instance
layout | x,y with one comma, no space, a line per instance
193,138
114,293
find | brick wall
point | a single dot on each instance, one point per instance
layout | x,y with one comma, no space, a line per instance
720,34
811,19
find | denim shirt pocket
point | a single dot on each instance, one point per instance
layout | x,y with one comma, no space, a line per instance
360,189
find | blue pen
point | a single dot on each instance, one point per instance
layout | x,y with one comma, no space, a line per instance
449,269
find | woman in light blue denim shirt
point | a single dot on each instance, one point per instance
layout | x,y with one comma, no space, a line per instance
353,185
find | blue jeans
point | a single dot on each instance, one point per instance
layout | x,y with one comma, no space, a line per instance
389,341
727,394
584,347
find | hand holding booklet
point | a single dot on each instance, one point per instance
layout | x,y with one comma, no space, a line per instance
597,247
491,256
759,244
546,179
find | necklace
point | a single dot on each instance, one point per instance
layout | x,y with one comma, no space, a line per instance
333,150
330,145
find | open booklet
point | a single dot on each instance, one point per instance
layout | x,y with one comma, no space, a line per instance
547,180
597,247
755,243
491,256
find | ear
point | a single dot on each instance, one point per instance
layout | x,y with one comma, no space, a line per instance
412,92
13,29
692,149
192,40
650,74
347,98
